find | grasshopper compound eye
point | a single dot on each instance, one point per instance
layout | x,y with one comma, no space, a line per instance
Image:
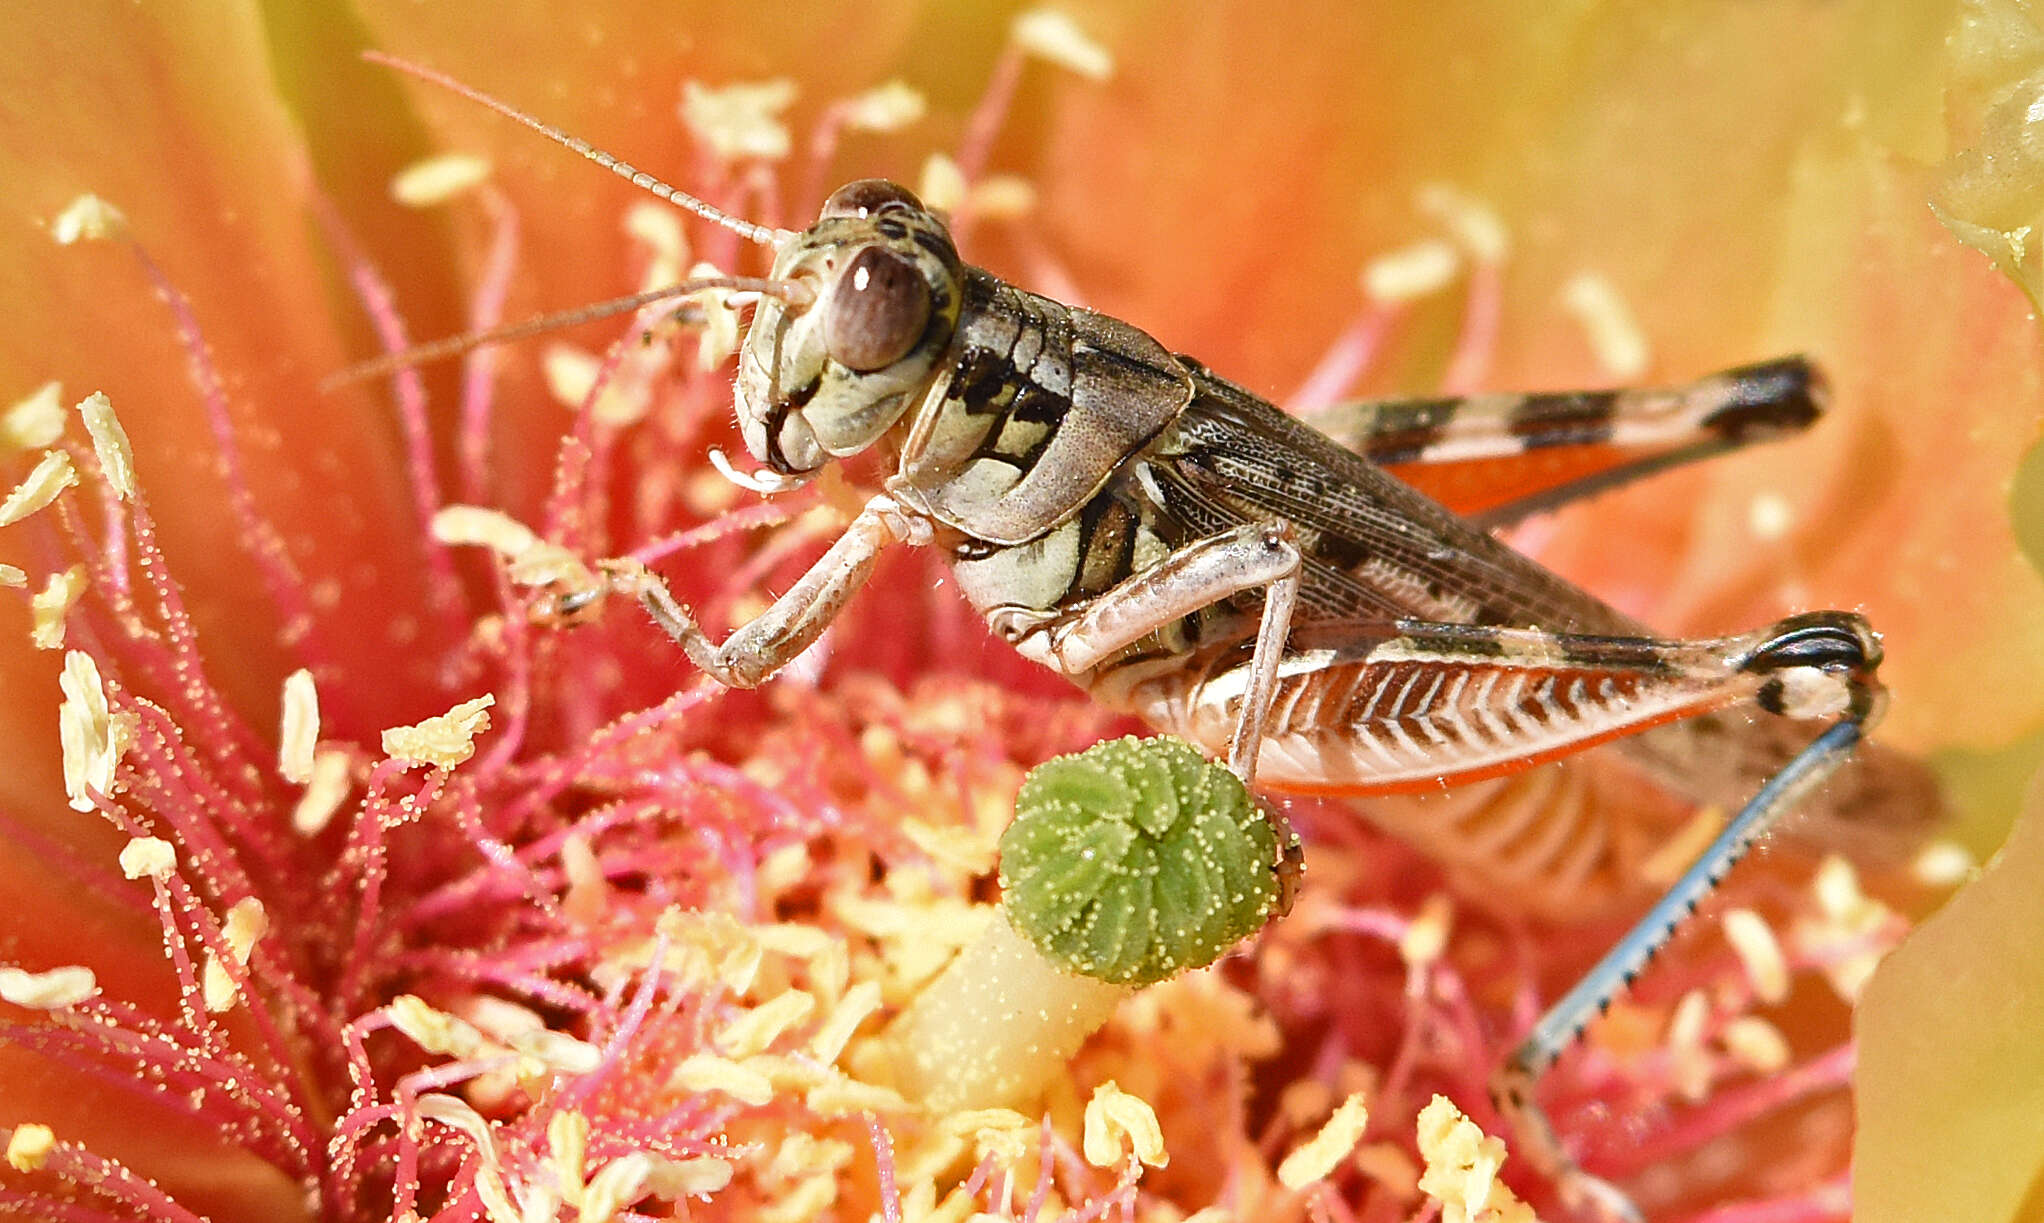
877,313
868,196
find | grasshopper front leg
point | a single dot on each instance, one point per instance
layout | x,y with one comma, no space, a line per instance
774,638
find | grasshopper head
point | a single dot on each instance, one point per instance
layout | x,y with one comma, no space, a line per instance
825,380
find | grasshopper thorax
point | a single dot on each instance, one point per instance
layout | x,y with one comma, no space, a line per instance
824,380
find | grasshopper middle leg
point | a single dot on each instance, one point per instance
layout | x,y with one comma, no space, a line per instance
1196,576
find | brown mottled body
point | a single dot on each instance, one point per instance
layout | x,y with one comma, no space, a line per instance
1359,708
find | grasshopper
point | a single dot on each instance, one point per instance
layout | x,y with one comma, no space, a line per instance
1258,584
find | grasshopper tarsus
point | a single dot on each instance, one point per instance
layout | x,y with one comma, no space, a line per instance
1511,1094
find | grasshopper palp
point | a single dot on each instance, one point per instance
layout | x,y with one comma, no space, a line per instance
1263,587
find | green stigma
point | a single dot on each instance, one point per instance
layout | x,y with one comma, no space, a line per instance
1136,860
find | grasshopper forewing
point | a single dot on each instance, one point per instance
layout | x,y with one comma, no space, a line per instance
1183,549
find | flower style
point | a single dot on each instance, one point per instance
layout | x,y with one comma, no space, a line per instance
401,904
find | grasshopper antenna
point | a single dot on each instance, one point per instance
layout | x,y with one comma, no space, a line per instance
751,232
792,292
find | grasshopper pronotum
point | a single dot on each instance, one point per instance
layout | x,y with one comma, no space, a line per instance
1260,585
